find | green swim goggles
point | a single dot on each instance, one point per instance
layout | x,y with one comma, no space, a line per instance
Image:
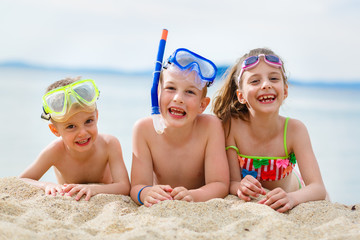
58,102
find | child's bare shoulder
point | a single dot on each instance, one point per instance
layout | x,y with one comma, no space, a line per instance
107,139
143,124
296,126
209,122
54,151
208,119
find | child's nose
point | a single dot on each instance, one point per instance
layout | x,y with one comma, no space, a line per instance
178,98
82,131
266,84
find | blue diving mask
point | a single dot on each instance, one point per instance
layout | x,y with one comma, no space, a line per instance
185,59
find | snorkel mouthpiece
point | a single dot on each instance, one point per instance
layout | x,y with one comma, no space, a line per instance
158,121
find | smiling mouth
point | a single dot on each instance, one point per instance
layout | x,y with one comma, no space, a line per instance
267,98
177,111
83,142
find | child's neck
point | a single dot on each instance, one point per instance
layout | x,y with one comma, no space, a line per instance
265,125
180,134
80,156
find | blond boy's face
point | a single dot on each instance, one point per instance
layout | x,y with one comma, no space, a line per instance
180,100
79,132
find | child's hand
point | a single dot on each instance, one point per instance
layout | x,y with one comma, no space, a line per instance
278,200
80,189
181,193
249,186
156,194
53,188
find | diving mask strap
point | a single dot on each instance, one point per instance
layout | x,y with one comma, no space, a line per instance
44,115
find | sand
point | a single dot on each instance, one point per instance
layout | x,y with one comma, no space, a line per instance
27,213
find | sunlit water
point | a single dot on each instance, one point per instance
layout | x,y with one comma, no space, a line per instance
331,116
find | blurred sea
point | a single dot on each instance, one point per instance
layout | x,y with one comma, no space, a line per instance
331,114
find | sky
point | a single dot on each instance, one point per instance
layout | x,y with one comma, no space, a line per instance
318,40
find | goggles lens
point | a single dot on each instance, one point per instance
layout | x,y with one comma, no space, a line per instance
271,59
252,61
185,59
57,102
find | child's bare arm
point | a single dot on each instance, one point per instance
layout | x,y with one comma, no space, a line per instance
216,165
142,169
232,157
118,170
308,165
39,167
241,187
309,168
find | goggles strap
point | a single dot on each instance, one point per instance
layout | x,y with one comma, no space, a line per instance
45,115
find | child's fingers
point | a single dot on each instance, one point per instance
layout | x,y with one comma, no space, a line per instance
88,196
176,191
249,189
68,187
81,193
275,198
285,208
149,201
72,191
162,196
243,196
253,180
53,191
59,190
160,193
166,188
253,184
179,194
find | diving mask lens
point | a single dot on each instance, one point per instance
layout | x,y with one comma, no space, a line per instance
57,102
86,91
185,59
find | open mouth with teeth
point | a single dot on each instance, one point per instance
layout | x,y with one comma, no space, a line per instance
267,98
83,142
177,112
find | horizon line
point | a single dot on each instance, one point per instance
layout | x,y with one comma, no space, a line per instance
350,83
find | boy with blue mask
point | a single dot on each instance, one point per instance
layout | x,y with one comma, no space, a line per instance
86,163
187,161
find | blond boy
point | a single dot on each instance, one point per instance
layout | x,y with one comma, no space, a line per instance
85,162
188,161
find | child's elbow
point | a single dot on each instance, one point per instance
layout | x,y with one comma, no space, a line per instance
124,189
225,187
322,193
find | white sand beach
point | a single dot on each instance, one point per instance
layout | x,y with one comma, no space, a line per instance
27,213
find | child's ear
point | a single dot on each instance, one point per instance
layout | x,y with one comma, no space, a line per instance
204,103
240,97
286,91
54,130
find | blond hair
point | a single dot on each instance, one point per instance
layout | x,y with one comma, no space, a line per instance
204,90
